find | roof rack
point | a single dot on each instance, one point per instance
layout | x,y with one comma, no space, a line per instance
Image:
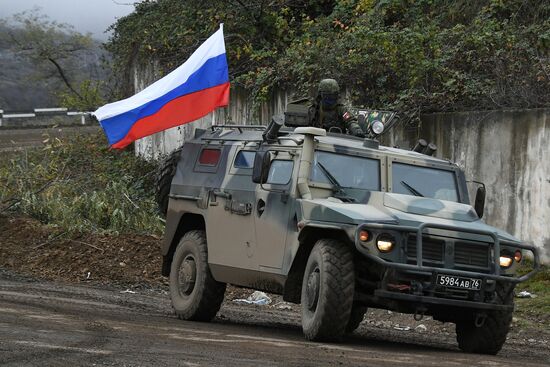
232,139
239,127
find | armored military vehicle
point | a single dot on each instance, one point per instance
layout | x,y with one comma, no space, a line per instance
338,224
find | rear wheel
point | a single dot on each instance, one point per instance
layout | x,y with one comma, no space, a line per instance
491,335
163,180
327,291
194,293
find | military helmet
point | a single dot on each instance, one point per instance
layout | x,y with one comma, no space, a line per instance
328,86
328,93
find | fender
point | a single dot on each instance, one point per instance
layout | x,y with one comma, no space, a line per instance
310,233
177,224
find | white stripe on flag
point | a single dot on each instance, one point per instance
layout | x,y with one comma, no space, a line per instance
212,47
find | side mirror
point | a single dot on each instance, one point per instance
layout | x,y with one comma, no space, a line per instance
262,161
479,204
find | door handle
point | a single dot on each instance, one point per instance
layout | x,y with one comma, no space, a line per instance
260,207
222,194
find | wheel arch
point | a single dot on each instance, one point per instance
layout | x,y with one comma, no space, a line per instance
307,238
186,223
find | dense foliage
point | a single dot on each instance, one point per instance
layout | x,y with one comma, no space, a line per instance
413,55
80,185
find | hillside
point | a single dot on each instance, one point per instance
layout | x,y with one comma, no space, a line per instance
24,85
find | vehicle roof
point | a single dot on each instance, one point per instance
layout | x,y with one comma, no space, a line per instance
253,133
358,143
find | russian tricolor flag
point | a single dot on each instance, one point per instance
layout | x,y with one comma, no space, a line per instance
188,93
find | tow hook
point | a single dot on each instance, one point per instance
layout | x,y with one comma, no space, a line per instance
419,313
480,319
417,288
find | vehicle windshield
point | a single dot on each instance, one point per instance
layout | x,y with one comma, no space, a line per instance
349,171
424,181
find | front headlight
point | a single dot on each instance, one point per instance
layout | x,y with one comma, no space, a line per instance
505,261
385,243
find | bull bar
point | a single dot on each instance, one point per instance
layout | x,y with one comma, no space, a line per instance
419,261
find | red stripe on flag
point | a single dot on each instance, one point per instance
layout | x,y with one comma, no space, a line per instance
179,111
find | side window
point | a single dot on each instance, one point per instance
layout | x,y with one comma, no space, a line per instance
209,160
245,159
280,172
209,157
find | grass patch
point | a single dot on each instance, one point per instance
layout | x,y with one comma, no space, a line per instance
79,185
539,285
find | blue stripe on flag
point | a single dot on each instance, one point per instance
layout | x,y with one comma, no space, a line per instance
213,72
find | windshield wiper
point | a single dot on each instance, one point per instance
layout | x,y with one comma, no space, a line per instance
412,189
338,189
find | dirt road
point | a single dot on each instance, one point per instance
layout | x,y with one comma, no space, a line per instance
51,324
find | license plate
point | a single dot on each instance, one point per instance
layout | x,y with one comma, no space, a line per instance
459,282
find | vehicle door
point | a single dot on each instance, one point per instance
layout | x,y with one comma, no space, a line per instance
274,205
230,226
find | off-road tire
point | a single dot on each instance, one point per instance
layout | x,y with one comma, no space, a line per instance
163,180
204,298
356,316
490,337
326,308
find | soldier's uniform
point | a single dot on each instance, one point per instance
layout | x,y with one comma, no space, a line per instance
328,112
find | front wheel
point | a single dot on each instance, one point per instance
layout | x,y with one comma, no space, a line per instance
327,291
489,337
195,294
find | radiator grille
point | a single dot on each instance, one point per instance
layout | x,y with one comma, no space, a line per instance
471,254
432,250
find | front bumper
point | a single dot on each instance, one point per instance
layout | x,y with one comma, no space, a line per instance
428,295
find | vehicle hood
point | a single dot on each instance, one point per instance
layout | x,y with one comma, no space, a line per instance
430,207
389,208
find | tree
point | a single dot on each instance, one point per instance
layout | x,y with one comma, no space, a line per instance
54,48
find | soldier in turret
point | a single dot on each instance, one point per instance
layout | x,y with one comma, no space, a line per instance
328,112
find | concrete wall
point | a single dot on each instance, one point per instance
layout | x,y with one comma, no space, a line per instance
507,150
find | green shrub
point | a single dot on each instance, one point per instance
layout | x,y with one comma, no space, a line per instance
80,185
